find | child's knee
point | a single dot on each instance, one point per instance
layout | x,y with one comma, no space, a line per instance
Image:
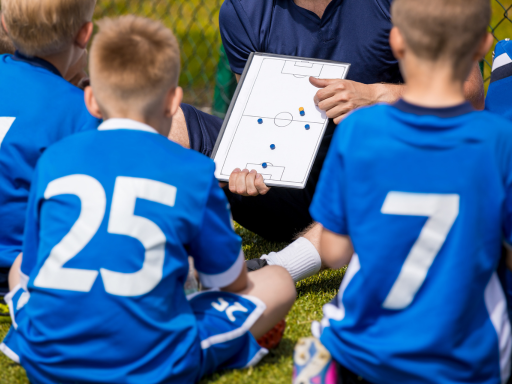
282,282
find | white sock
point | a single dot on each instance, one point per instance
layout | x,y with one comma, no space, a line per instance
300,259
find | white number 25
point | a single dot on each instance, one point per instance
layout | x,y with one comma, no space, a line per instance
122,221
442,211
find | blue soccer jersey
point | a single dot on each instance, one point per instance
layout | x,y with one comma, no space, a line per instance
37,108
499,95
426,197
112,218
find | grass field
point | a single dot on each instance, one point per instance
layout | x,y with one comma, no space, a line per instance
276,367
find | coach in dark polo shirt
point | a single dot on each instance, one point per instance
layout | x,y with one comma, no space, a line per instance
352,31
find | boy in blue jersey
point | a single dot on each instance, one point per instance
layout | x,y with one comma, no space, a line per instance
40,107
113,216
498,98
422,192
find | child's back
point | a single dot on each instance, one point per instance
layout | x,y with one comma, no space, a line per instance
37,108
423,191
147,199
423,195
113,216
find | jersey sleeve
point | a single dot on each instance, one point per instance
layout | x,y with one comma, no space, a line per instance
217,249
328,206
237,33
91,123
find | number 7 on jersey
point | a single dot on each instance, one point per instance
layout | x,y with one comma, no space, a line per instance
442,211
5,125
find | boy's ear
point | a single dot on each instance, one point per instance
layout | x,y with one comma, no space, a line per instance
397,43
173,102
84,35
91,103
484,47
4,26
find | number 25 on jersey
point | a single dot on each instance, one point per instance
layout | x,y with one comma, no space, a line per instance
122,221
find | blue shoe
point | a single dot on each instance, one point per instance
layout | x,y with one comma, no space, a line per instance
313,364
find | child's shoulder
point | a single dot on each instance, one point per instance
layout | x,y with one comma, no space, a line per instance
33,75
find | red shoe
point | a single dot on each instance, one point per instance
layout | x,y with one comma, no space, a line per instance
273,337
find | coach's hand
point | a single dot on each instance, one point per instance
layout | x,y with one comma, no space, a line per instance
247,183
338,97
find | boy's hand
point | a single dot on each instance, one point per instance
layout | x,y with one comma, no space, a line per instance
247,183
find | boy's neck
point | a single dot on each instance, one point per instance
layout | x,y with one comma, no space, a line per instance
62,61
161,125
432,86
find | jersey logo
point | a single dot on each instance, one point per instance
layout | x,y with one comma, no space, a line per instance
5,125
223,305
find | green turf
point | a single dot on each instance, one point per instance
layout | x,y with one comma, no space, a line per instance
276,367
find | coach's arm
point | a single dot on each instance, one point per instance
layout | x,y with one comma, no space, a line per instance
339,97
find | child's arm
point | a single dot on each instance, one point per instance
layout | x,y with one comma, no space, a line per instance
336,250
14,272
239,284
217,249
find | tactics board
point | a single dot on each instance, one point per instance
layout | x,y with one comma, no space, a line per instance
273,125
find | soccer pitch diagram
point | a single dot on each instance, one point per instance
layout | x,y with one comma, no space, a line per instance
274,126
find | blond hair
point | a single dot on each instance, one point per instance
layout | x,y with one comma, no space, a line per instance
6,45
134,62
442,29
45,27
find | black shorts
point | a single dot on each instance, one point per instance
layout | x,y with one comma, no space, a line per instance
279,215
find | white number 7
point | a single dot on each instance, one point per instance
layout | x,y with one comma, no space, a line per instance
442,211
5,125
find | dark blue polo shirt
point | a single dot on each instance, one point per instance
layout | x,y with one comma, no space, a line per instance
352,31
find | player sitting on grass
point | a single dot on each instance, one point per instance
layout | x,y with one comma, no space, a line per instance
422,191
113,215
39,107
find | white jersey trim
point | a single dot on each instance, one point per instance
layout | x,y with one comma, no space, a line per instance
246,326
10,304
500,61
497,307
225,278
112,124
257,358
9,353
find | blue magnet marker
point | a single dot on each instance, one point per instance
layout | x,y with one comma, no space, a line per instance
302,113
264,165
272,146
307,127
260,121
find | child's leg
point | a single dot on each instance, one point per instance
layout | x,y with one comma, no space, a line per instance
274,286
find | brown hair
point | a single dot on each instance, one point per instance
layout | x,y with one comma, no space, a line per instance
134,61
45,27
442,29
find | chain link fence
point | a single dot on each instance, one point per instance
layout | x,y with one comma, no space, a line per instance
196,25
206,76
